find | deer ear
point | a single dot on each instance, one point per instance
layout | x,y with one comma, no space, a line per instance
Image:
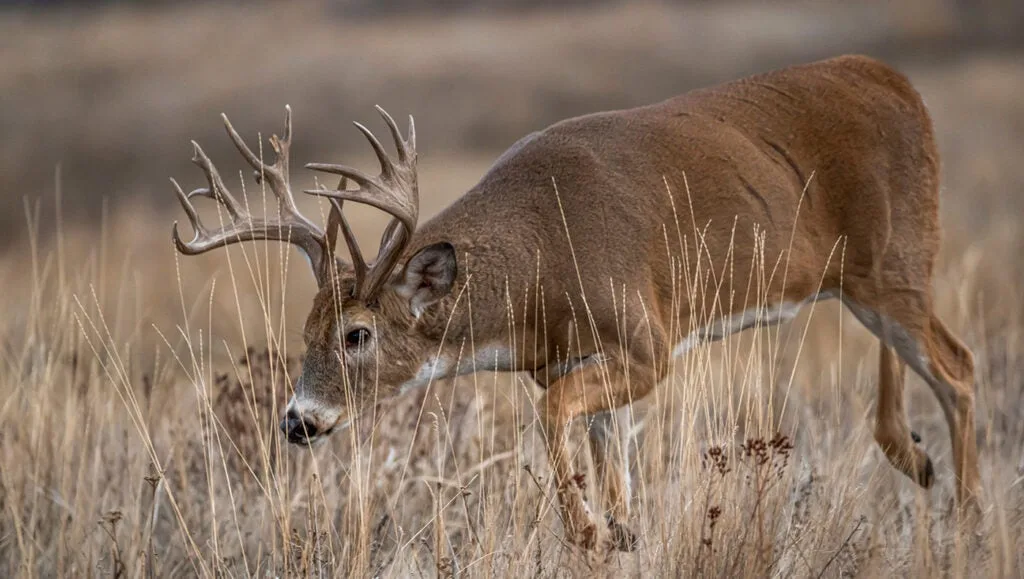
428,276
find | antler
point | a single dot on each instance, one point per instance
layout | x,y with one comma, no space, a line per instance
291,226
394,191
358,264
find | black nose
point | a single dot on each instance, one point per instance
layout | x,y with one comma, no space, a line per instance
296,429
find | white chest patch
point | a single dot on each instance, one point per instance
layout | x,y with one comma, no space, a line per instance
433,369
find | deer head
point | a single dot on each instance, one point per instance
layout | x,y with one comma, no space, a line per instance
365,336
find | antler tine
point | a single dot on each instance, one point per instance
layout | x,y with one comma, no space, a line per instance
193,218
387,167
411,140
282,148
358,262
288,124
392,242
250,157
217,189
406,147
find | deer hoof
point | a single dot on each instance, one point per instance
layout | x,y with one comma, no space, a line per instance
926,473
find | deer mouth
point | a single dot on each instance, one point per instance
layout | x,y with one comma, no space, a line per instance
340,424
305,424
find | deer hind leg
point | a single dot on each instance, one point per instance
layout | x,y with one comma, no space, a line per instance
594,387
952,370
609,448
947,366
892,431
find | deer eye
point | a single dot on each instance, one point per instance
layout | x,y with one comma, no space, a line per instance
356,338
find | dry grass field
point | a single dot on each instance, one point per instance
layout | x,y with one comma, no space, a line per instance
140,392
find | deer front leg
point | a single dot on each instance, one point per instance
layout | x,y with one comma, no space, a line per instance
609,448
558,407
593,388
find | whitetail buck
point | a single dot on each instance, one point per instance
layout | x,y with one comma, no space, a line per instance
581,236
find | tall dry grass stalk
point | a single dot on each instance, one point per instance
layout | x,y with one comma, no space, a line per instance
136,442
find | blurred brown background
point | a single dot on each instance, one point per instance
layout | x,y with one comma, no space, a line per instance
112,92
